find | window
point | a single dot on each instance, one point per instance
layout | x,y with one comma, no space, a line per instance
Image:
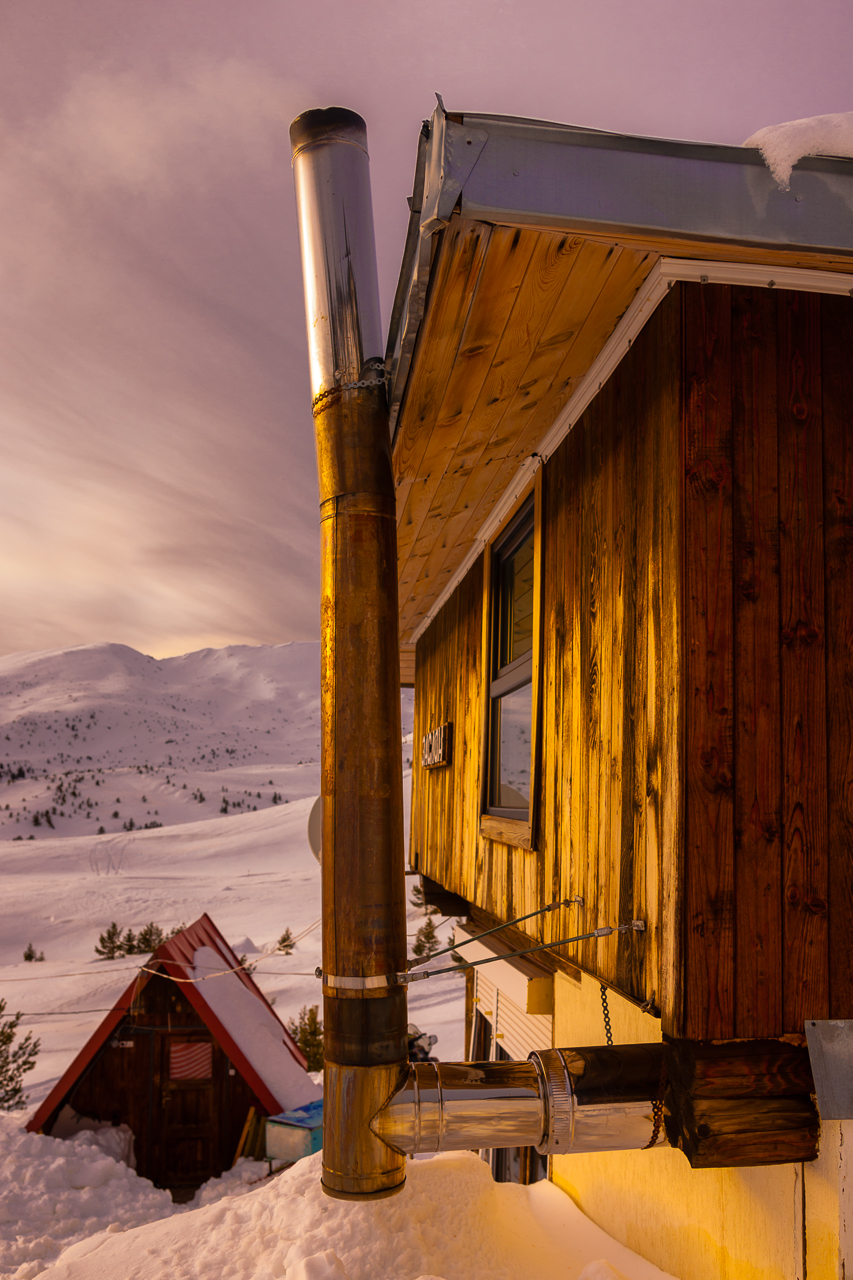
511,686
190,1060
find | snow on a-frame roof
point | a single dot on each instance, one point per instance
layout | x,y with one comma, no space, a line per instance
782,145
255,1028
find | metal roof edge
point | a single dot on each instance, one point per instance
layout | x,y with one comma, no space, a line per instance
584,135
501,169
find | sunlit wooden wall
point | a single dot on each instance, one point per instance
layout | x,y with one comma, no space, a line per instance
607,803
696,720
768,633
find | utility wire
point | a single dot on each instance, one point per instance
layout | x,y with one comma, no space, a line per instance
552,906
214,973
54,1013
604,932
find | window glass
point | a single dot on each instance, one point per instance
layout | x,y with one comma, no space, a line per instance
481,1039
516,603
511,686
512,719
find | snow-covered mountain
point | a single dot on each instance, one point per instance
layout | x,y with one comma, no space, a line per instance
100,738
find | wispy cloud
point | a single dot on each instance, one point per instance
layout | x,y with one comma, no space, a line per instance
153,395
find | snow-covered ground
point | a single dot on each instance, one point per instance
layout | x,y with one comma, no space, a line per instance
88,1216
99,728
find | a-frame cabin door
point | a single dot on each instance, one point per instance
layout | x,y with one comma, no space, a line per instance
190,1119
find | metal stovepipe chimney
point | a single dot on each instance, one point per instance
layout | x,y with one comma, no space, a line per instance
364,916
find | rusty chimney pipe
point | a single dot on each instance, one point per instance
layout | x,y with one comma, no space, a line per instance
364,914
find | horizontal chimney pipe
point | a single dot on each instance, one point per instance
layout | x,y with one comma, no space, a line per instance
560,1101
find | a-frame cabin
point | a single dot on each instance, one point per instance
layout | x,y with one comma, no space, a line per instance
621,386
184,1055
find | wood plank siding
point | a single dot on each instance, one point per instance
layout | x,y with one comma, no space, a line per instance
609,680
185,1130
696,673
768,412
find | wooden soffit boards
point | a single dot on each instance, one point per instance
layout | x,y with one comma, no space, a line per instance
514,319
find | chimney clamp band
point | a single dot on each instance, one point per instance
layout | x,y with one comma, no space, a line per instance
356,984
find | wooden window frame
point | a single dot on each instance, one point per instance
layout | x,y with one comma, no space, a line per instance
513,831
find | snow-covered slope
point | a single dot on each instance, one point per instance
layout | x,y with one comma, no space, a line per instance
100,736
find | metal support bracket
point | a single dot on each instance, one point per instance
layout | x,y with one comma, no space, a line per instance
831,1052
453,151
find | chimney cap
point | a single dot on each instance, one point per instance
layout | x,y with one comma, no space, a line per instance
327,124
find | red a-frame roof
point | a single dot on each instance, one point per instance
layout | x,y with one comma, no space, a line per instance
176,958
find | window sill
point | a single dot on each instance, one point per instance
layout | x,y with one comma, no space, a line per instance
512,831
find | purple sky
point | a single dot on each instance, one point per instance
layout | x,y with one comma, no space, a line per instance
154,407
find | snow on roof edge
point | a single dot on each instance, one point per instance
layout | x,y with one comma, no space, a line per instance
782,145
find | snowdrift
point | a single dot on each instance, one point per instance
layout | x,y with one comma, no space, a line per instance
451,1222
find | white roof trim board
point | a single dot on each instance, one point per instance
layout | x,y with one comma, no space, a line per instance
665,273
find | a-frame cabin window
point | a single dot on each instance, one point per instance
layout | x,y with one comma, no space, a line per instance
511,685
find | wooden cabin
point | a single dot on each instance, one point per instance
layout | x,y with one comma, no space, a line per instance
621,385
187,1057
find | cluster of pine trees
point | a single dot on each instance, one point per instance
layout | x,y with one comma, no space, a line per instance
115,941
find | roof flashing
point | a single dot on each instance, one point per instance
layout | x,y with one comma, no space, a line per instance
528,173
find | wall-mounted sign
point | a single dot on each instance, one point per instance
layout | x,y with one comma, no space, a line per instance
436,747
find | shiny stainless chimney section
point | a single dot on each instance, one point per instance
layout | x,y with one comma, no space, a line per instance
364,912
560,1101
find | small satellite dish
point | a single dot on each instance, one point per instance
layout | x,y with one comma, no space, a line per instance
315,828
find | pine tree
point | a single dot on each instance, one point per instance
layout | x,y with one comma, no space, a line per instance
149,939
285,943
14,1061
427,941
31,954
129,943
307,1031
110,943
